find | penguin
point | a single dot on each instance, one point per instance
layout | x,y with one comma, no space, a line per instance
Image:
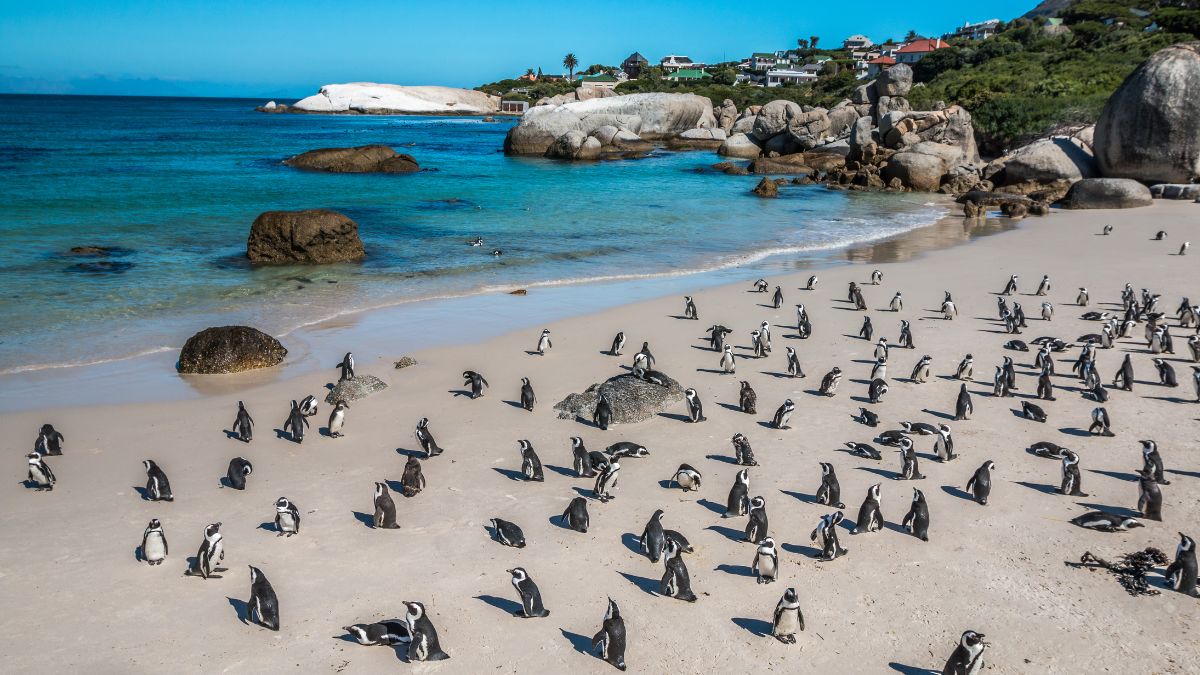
211,553
531,597
766,562
943,445
689,308
919,428
1046,449
876,277
879,370
157,486
1149,496
1043,287
425,439
860,303
830,382
576,515
154,543
1002,308
687,478
1000,383
876,390
793,363
1183,249
980,484
263,607
1166,373
1010,374
1105,522
508,533
582,461
383,633
1160,235
308,406
337,419
716,337
496,253
864,450
783,414
296,423
920,372
1016,345
867,330
1124,376
756,340
602,415
1033,412
243,424
826,537
788,619
1152,461
747,399
695,408
908,461
1107,230
812,283
653,541
645,358
1194,346
949,310
777,299
1011,286
527,396
49,440
897,303
868,418
618,344
1071,478
239,469
738,502
761,286
412,481
475,381
1101,425
892,437
830,492
916,522
870,519
728,365
606,482
756,529
610,641
599,460
1082,298
346,365
675,582
287,517
626,449
881,349
1196,380
967,658
1181,574
385,509
531,465
543,343
475,242
424,645
906,337
41,478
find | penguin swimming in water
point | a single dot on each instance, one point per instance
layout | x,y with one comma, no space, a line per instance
158,488
1071,477
347,367
897,303
766,562
337,419
788,619
385,509
531,597
728,365
618,344
756,529
689,308
1181,574
675,582
576,516
830,382
1152,461
606,482
653,540
243,424
41,477
527,396
211,553
308,406
581,459
383,633
296,423
738,502
424,645
908,461
793,363
783,414
980,484
610,641
1105,522
1101,425
825,535
1149,496
687,478
287,517
743,453
830,491
967,658
475,381
544,342
747,399
531,465
916,522
263,607
508,533
154,543
602,415
239,469
695,408
413,479
425,439
870,519
49,440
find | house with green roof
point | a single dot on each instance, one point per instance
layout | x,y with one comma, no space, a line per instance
598,81
689,75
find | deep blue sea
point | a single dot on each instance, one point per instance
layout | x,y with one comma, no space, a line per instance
174,184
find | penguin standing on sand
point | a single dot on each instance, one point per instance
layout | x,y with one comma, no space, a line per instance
211,553
424,645
906,336
347,367
1124,376
967,658
830,492
966,368
870,519
793,363
867,417
1101,424
581,460
756,529
154,543
49,441
1044,286
716,337
531,597
337,419
606,482
1181,574
879,370
1196,380
766,562
385,509
897,303
728,365
544,342
618,344
908,461
830,382
1183,249
263,607
602,415
475,381
916,522
1152,461
777,299
287,517
1082,298
243,424
980,484
425,439
610,641
308,406
943,445
920,372
158,488
653,540
867,330
576,516
41,478
695,408
812,283
738,502
675,582
747,399
759,347
296,423
1149,496
1166,373
743,453
687,477
531,465
1011,286
825,535
527,396
783,414
239,469
689,308
413,479
644,359
881,349
949,310
876,389
788,619
1071,478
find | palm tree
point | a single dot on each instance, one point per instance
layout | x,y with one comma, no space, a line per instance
813,39
569,62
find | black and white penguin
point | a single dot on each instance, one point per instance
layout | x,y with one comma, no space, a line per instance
211,553
308,406
1082,298
581,460
1000,383
908,461
867,331
531,464
777,299
602,415
263,607
728,364
812,283
870,519
475,381
783,414
694,406
1044,286
830,491
644,358
1107,230
1152,461
618,344
867,417
689,308
916,521
239,469
865,450
738,502
906,336
1101,424
385,509
1196,380
788,619
747,399
943,445
967,658
948,309
527,396
881,349
759,344
676,583
860,303
919,428
876,390
687,478
576,516
337,419
1105,522
1072,481
793,363
508,533
1047,311
1124,377
716,337
243,424
41,477
1045,387
830,382
49,440
825,535
897,303
610,641
1183,249
756,529
1010,374
1031,411
154,543
766,562
879,370
980,485
626,449
1181,574
920,372
346,365
1166,373
425,439
287,517
606,482
158,488
543,343
653,540
1149,496
531,596
382,633
296,423
1011,286
891,437
1047,449
424,645
412,481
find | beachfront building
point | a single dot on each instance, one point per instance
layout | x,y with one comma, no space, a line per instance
673,62
633,64
777,78
879,64
919,49
976,31
857,42
688,75
514,107
598,81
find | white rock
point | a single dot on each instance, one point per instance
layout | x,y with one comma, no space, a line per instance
369,97
271,105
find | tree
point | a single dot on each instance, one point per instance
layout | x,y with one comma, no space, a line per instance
569,62
802,43
911,35
539,72
813,39
725,76
529,72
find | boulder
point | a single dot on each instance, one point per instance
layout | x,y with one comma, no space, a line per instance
315,236
824,161
1107,193
808,129
766,188
1176,191
775,117
404,362
841,119
1150,128
916,170
1049,160
359,386
729,168
793,164
863,144
726,115
745,121
740,145
372,98
1086,136
362,159
895,81
633,400
605,134
651,116
229,349
864,94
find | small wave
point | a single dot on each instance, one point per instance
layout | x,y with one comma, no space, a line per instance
77,364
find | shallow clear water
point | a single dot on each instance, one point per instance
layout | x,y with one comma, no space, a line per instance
175,183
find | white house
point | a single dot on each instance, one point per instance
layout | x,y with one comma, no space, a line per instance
857,42
977,31
776,78
672,62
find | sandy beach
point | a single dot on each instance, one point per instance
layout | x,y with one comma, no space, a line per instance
893,604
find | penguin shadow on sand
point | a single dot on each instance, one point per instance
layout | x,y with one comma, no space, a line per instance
938,414
912,670
1180,472
716,508
801,549
408,453
516,404
633,542
1119,475
736,570
802,497
756,627
503,604
878,472
269,526
676,416
955,491
647,585
730,533
580,643
561,470
1076,431
242,609
585,492
1040,487
511,474
730,406
364,518
140,490
1121,511
1169,399
232,434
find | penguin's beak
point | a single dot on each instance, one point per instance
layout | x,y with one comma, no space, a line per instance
509,571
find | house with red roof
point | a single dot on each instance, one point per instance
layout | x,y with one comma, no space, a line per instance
919,49
879,64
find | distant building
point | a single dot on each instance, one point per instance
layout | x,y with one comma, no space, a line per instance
633,64
514,107
814,68
879,64
857,42
976,31
598,81
919,49
763,61
688,75
777,78
672,62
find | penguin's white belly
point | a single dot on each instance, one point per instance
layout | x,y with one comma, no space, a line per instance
684,480
789,623
154,549
766,566
287,522
336,423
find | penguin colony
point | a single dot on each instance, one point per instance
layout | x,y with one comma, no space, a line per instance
1135,323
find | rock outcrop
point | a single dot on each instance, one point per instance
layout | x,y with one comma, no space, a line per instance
1107,193
726,115
376,99
359,386
767,188
740,145
1189,191
229,349
362,159
632,400
1150,128
1045,161
313,236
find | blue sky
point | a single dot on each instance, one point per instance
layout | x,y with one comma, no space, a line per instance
289,48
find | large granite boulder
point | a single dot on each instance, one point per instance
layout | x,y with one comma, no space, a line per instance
808,129
651,116
372,98
229,349
354,388
895,81
314,236
775,118
1150,128
362,159
744,124
841,119
740,145
633,400
1107,193
922,165
1049,160
863,143
951,126
1188,191
726,115
794,164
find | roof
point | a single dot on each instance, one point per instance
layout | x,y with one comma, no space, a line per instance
636,56
763,55
856,37
691,74
1054,22
822,58
676,58
599,77
922,46
883,61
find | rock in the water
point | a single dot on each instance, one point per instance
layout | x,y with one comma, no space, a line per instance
359,386
1150,128
766,188
372,98
229,349
309,236
740,145
1175,191
651,116
404,362
632,400
785,164
1107,193
363,159
1049,160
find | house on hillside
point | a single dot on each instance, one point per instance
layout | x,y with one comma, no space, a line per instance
673,62
857,42
763,61
779,77
919,49
688,75
879,64
976,31
633,64
598,81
